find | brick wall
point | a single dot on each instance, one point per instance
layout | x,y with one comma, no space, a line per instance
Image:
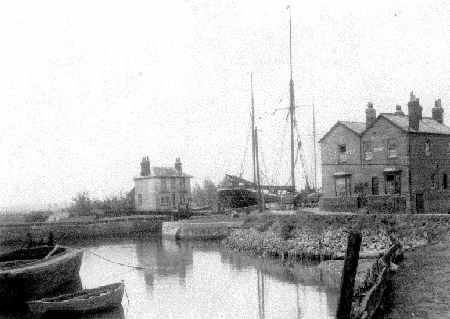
424,166
330,157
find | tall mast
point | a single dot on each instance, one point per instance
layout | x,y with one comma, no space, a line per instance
315,152
292,104
252,115
260,194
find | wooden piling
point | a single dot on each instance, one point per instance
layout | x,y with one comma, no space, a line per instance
348,275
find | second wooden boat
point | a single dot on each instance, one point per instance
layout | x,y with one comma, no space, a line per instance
84,301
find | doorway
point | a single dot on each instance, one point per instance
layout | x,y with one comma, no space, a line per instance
420,207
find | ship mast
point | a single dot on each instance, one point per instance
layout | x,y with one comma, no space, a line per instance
292,104
258,178
252,115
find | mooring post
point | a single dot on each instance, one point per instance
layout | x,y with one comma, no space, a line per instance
348,275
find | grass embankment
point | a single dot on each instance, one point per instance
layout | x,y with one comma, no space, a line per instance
422,287
318,237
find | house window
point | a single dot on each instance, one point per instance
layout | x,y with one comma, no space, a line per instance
173,199
368,151
172,184
139,199
375,184
164,200
428,148
392,148
343,185
182,185
163,185
392,183
342,153
433,181
444,181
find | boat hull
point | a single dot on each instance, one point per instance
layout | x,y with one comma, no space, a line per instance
85,301
237,198
39,279
242,197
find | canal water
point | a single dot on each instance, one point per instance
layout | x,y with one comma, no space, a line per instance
201,280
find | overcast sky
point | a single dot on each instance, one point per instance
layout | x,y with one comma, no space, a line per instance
89,87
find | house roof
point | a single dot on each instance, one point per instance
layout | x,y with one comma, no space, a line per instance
426,125
163,172
356,127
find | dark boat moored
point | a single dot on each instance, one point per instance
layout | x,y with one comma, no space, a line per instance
31,273
84,301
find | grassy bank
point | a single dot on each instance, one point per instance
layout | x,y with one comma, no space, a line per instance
422,287
325,237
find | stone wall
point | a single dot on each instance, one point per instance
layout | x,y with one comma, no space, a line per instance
13,233
339,204
384,204
325,236
205,231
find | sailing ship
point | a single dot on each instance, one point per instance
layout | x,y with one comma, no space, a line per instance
237,192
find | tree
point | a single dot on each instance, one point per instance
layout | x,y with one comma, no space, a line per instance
205,195
82,204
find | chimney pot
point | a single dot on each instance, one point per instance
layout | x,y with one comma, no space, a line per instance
437,112
414,112
398,110
371,114
178,166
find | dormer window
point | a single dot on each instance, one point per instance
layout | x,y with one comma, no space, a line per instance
428,148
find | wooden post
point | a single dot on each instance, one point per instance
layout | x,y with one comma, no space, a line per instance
348,275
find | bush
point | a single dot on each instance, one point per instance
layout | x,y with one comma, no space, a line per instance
37,216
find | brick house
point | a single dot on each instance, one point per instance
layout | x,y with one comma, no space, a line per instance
161,189
393,162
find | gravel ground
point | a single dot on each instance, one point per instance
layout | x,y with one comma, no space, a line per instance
421,289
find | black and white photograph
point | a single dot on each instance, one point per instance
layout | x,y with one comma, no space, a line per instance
254,159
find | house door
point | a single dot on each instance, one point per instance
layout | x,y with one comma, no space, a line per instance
419,204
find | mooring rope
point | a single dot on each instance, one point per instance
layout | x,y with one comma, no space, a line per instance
116,262
107,259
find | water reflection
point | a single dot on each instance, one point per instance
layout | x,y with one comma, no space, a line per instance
164,258
200,280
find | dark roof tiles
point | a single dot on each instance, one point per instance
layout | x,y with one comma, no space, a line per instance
426,125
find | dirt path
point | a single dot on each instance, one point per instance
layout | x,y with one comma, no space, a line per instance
421,289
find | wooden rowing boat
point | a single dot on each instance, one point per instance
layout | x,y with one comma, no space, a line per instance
84,301
31,273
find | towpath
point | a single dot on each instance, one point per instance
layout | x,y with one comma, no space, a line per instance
421,288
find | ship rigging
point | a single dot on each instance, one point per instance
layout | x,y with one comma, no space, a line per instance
237,192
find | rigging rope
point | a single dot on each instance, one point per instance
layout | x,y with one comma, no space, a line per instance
241,171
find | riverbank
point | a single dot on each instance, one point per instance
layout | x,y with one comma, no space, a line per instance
81,229
322,237
422,287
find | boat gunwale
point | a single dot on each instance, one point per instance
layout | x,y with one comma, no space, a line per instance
67,255
114,288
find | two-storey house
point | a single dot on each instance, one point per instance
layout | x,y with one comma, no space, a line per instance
161,189
403,165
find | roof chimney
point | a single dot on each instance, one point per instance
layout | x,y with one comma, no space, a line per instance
178,166
145,166
438,112
414,112
398,110
371,114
